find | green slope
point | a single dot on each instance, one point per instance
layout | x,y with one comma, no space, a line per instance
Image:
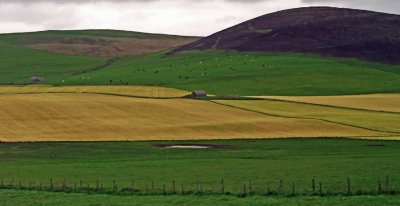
228,73
222,73
17,64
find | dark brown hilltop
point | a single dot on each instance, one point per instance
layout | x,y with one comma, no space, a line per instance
327,31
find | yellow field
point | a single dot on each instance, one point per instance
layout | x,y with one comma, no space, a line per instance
367,119
379,102
138,91
95,117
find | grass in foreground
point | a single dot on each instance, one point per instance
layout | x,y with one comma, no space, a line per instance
263,162
94,117
11,198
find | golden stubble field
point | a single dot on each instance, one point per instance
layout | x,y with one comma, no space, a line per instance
379,102
372,120
135,91
96,117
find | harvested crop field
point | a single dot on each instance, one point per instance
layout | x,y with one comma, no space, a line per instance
372,120
110,47
378,102
91,117
136,91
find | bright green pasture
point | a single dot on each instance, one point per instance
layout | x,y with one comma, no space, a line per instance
12,198
229,73
263,162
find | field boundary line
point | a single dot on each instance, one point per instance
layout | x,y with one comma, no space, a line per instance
306,118
98,93
326,105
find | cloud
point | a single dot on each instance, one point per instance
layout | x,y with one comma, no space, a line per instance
185,17
389,6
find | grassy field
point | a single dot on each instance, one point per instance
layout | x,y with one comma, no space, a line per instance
263,162
222,73
134,91
94,117
11,198
374,120
377,102
227,73
18,64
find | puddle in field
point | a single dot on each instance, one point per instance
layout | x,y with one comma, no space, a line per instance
187,147
193,146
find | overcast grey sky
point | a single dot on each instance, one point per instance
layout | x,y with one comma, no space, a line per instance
185,17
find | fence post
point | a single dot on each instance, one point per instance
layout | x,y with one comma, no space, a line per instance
97,185
222,186
280,185
244,189
81,185
30,185
133,186
198,186
152,186
293,189
164,192
113,187
348,186
12,183
313,185
387,181
75,187
250,189
64,185
40,186
268,189
20,184
379,187
173,187
320,188
183,190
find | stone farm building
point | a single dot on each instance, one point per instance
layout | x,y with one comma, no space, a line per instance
199,93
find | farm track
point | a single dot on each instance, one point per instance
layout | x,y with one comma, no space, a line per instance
108,63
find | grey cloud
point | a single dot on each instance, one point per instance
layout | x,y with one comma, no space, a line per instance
390,6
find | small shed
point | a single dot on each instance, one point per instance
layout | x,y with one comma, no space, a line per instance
36,79
199,93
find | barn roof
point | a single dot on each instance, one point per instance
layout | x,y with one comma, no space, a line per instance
199,92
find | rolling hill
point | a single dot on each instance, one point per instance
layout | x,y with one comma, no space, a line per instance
325,31
58,54
104,43
244,62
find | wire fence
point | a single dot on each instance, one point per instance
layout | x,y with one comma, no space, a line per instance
280,187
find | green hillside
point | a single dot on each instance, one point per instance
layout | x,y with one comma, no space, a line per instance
218,72
228,73
17,64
